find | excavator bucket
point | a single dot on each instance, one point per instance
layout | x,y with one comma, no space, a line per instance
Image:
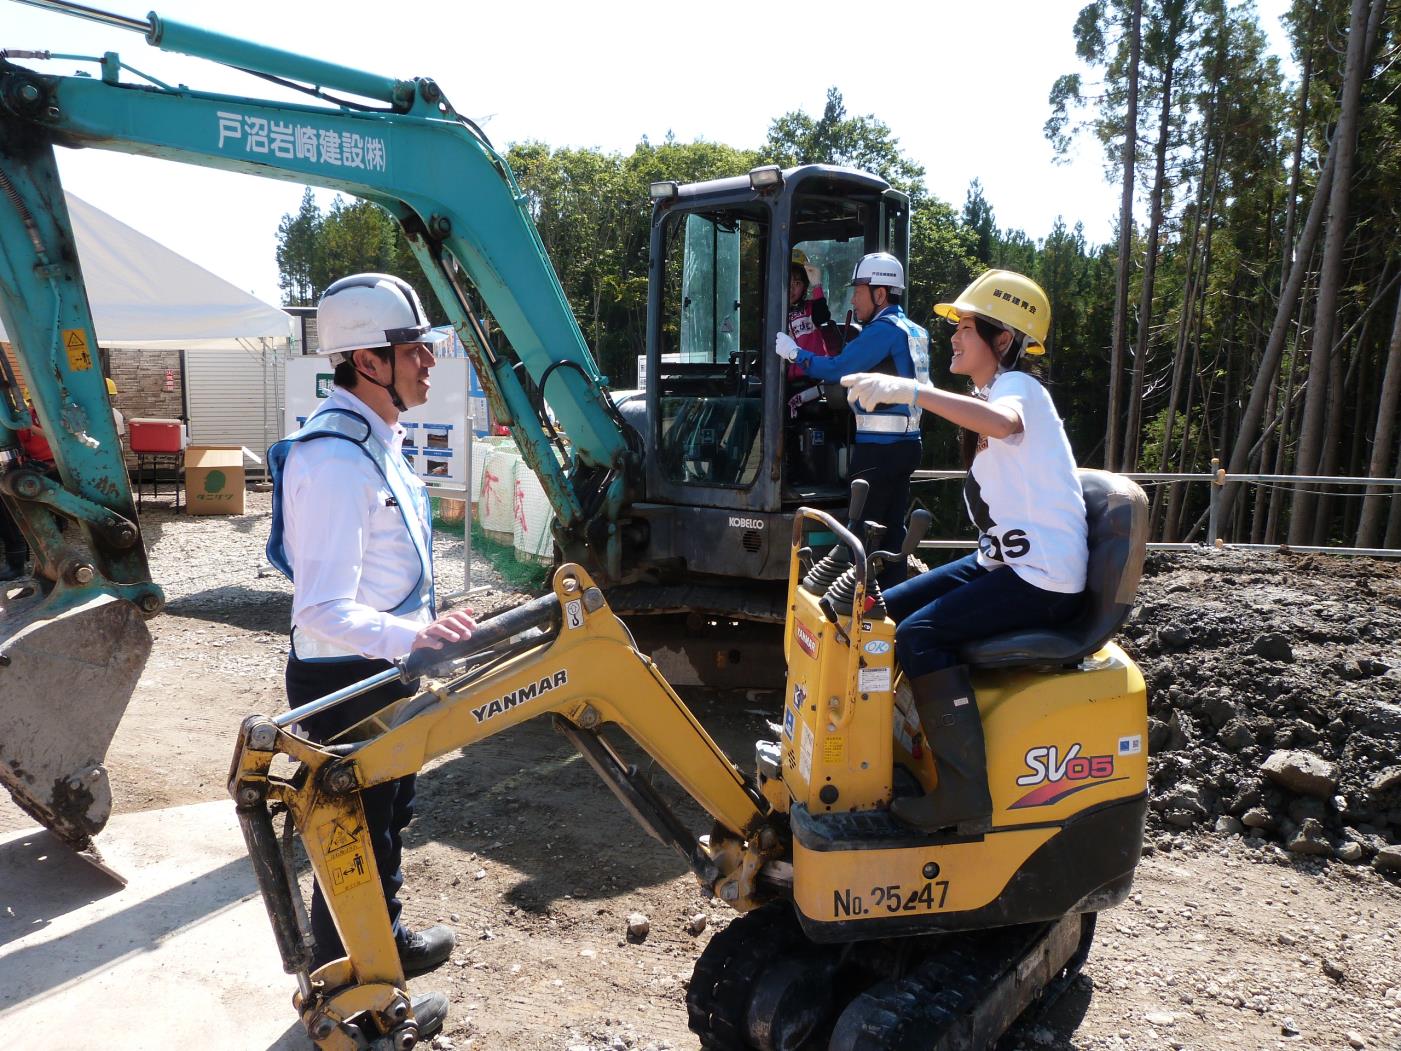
65,680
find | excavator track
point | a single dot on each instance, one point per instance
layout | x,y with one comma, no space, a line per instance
967,993
760,985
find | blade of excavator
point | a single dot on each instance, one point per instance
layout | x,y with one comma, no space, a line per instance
66,677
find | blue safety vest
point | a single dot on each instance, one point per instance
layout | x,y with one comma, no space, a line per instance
897,421
409,494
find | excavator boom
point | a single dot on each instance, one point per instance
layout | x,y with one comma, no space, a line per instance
79,621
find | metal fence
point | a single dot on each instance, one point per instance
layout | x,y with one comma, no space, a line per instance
1217,478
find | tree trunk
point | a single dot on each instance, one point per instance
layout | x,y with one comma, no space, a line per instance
1301,524
1129,459
1253,417
1119,337
1370,527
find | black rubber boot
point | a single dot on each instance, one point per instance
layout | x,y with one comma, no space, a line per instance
949,715
430,1011
422,951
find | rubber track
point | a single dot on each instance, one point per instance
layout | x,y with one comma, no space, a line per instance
922,1011
724,976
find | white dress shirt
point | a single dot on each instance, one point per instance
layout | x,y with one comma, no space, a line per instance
344,536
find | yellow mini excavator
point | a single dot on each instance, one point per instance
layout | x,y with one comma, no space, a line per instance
856,932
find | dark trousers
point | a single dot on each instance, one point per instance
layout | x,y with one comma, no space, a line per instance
388,807
937,612
887,466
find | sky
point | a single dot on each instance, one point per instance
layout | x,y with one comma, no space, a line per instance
606,74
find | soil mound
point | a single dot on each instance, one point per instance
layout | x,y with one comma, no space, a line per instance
1274,691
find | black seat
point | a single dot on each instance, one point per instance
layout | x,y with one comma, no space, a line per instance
1116,510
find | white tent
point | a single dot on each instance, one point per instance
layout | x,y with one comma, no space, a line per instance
143,295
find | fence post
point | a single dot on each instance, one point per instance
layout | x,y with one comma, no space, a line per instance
1217,476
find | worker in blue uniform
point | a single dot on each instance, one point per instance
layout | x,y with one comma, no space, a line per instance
887,449
352,529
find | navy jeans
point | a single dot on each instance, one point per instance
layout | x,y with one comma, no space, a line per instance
937,612
388,807
887,466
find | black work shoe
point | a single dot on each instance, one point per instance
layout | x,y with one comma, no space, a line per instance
430,1011
422,951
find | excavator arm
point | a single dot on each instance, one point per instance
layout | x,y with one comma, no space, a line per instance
565,654
469,226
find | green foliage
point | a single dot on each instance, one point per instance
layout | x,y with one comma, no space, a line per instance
837,138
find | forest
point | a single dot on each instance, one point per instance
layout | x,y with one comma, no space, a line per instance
1247,310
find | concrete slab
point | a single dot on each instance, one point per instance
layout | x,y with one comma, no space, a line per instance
182,957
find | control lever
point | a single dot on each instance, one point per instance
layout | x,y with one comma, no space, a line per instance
818,579
915,529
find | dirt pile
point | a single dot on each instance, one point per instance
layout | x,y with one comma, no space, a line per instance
1274,687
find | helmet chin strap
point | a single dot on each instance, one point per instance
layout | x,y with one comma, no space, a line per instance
391,386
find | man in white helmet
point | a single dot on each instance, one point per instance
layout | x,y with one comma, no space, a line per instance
887,447
351,527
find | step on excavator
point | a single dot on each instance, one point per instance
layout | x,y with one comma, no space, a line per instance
855,932
677,497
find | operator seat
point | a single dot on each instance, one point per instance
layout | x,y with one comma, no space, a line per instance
1116,511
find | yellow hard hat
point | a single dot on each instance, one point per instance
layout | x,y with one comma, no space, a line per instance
800,257
1011,299
111,388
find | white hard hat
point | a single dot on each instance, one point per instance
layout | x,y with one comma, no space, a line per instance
364,311
880,268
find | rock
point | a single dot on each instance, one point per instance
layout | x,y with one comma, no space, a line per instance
1288,1028
1310,839
1273,646
1334,970
1355,1041
1160,1018
1221,710
1235,735
1301,772
1386,780
1388,859
1351,852
1305,808
1173,637
1258,817
638,926
1229,826
697,923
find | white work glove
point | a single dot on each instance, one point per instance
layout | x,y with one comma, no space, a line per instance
871,389
785,347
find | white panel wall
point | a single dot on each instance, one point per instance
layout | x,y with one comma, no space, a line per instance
236,398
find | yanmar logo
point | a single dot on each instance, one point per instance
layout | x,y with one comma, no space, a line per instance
806,639
1059,776
528,692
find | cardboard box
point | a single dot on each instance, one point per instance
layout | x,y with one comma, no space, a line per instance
214,480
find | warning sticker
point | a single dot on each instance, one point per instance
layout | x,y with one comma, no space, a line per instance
346,853
75,342
574,614
874,680
805,755
335,837
834,749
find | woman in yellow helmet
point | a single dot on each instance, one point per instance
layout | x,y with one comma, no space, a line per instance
1023,494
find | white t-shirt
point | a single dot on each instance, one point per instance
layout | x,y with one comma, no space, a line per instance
1024,496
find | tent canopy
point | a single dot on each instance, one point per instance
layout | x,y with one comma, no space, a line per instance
144,295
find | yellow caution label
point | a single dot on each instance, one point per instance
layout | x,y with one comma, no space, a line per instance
347,854
834,749
75,342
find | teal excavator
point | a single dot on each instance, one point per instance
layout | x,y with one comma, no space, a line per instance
679,497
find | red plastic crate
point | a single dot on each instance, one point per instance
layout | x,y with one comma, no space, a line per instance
155,436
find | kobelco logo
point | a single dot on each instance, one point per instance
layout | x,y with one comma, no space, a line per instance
746,523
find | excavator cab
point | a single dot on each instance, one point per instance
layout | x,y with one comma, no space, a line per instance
730,461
